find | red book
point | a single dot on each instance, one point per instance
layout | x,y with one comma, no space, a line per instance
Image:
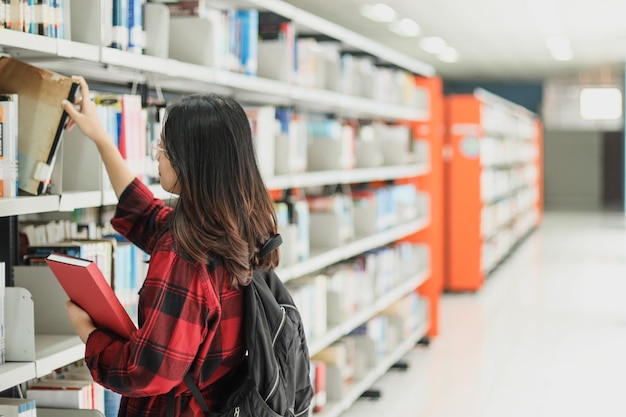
85,285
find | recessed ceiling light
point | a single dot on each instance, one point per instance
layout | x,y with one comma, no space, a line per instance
405,27
559,47
378,12
449,54
432,44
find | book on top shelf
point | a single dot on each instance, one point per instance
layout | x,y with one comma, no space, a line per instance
85,285
41,119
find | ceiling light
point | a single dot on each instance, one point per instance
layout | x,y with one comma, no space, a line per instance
378,12
559,47
405,27
449,54
432,44
601,103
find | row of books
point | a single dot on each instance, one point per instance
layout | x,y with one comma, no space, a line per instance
128,124
286,141
496,183
495,216
71,387
39,17
18,407
507,151
337,293
321,220
256,43
122,264
498,246
339,366
500,119
123,25
265,44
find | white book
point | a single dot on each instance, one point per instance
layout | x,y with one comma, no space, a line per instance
9,144
61,393
264,128
17,407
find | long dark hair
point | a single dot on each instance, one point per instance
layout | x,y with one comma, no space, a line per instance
224,207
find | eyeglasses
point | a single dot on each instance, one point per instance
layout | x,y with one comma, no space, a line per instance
156,150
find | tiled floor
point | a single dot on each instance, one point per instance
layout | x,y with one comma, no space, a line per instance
544,337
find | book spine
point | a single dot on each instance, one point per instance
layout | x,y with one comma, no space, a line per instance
30,20
120,25
17,15
248,24
3,14
136,41
8,176
6,6
59,24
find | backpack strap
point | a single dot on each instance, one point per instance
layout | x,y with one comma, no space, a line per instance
272,243
170,404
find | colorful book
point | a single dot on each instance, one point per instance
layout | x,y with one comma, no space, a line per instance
41,121
85,285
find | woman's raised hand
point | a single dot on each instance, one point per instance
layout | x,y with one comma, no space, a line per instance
83,114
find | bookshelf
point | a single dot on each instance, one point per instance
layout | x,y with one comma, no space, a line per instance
119,68
326,258
335,408
493,184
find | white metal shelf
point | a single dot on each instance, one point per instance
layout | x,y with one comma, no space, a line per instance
15,206
69,201
353,176
56,351
362,316
334,409
15,373
323,258
78,50
51,352
80,199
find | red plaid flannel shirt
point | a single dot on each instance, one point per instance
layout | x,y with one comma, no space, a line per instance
189,318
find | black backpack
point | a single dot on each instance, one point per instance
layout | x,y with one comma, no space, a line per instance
278,381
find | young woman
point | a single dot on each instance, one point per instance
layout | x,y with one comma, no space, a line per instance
202,252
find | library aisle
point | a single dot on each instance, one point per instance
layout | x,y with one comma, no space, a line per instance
544,337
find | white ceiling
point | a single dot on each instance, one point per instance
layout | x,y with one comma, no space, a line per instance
498,39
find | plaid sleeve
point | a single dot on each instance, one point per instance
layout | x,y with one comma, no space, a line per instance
179,312
139,216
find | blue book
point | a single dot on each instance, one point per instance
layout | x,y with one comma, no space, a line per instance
248,25
135,30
